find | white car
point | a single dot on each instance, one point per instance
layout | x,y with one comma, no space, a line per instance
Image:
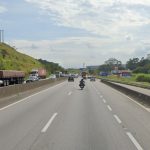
1,82
52,76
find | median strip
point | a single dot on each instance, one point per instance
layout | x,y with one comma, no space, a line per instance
138,95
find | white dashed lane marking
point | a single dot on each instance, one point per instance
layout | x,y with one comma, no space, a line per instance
109,107
69,93
118,119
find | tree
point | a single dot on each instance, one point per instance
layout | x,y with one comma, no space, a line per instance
105,68
143,62
132,63
51,67
139,65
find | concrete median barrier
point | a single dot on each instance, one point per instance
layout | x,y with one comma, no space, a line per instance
136,95
20,88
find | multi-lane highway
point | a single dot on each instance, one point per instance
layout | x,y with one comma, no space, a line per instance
64,117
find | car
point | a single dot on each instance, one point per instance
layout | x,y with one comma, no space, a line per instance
70,79
92,79
52,76
1,82
89,77
32,78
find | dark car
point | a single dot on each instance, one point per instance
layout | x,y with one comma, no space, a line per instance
70,79
92,79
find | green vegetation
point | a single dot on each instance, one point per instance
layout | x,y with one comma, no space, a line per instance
51,67
73,71
130,81
143,78
139,65
10,59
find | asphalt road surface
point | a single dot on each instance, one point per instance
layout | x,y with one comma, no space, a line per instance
64,117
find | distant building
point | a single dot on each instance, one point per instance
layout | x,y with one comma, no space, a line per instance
92,67
125,73
122,73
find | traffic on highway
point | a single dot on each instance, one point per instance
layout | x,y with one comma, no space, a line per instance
92,118
74,74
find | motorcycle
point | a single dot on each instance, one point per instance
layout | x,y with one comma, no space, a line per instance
81,85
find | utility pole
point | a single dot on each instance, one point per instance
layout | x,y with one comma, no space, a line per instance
1,36
83,65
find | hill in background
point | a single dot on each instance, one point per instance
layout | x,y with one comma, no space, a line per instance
10,59
50,66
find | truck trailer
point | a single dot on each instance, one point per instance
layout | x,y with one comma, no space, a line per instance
84,74
38,73
10,77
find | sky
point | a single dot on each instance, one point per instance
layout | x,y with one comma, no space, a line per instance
73,32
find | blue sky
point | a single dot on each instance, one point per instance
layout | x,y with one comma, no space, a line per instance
73,32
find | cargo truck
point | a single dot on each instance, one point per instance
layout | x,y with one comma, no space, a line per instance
38,73
9,77
58,74
84,74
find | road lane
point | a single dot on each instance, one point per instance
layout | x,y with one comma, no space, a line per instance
76,121
84,123
133,117
29,116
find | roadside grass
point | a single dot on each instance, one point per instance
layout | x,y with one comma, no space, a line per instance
10,59
128,80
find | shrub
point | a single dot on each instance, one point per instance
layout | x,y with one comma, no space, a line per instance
143,78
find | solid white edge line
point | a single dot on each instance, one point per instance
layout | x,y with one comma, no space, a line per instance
118,119
147,109
109,108
49,123
29,97
137,145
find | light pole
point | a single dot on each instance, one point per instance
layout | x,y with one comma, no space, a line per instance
1,36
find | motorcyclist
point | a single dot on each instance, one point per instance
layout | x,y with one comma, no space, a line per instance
82,83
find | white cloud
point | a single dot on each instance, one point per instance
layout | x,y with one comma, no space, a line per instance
119,23
102,17
2,9
72,52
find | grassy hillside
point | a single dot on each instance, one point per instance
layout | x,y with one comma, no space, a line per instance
10,59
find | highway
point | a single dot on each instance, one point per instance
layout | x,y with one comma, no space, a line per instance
63,117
